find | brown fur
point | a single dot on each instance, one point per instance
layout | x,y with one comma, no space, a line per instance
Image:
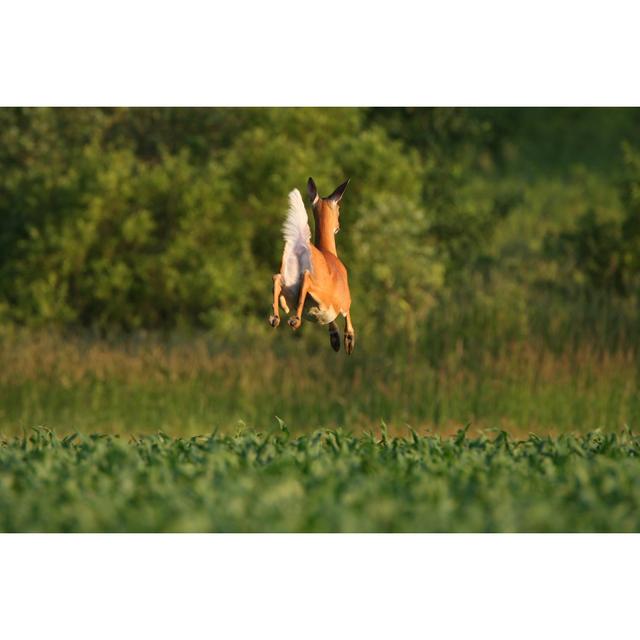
327,282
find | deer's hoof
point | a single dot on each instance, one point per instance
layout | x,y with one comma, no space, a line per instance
334,338
274,321
349,343
295,322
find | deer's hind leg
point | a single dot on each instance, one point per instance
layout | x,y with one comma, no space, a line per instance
274,320
334,336
296,320
349,335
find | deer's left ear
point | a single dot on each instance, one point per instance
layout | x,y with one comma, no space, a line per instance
336,196
312,191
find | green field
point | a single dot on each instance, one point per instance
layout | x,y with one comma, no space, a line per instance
327,481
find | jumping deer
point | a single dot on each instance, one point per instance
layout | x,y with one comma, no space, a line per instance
314,270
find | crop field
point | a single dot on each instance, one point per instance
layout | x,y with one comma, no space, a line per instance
326,481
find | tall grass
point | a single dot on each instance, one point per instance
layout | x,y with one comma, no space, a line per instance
193,385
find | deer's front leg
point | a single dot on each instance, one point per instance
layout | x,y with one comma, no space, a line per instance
296,321
274,320
349,335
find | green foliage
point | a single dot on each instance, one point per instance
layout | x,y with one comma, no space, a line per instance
120,219
595,252
600,254
459,220
326,481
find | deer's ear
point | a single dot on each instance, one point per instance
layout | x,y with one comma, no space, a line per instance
312,191
336,196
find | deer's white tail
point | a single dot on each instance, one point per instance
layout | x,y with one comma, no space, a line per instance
296,258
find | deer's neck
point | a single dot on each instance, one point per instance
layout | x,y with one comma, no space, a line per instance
325,238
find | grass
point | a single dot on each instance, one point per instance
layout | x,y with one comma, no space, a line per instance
326,481
194,386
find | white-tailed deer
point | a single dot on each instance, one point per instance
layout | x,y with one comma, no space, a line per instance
312,273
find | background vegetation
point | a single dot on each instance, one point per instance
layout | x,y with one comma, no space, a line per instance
494,258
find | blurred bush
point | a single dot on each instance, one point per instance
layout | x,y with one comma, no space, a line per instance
461,228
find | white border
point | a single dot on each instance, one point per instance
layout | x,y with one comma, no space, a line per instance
335,52
329,53
324,587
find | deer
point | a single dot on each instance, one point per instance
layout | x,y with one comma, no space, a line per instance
312,277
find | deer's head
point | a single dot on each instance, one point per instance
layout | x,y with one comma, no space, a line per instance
326,211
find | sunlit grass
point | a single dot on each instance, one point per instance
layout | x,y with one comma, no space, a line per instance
191,387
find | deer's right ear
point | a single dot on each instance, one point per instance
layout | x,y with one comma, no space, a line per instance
312,191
